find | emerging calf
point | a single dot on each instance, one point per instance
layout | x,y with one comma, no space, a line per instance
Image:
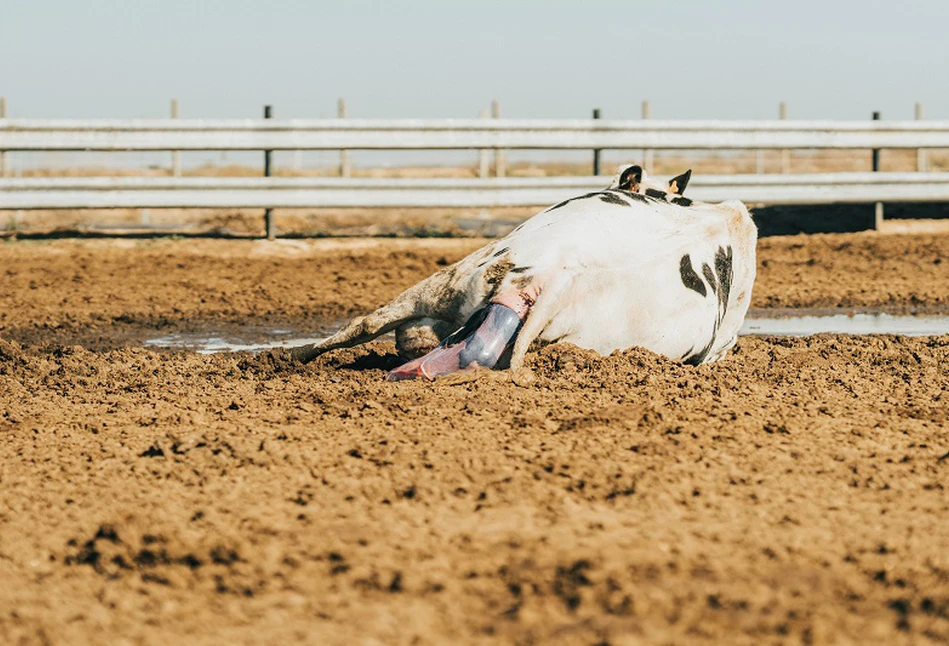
636,264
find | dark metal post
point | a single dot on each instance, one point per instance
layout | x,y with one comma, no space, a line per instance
596,151
876,151
268,213
878,207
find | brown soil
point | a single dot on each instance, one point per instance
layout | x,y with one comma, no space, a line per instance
794,491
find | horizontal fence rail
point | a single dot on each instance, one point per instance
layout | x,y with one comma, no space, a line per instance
283,192
445,134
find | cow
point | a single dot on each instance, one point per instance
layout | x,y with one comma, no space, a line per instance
635,264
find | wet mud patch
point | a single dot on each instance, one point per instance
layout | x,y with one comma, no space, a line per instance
224,334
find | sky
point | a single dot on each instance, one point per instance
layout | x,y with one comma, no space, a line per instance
727,59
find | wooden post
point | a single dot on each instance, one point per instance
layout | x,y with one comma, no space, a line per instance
922,155
3,153
484,163
500,164
785,154
175,154
647,154
596,151
269,225
345,168
878,207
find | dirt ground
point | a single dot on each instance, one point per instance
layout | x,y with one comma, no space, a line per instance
795,492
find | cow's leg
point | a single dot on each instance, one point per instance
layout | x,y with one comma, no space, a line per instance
359,330
537,319
479,343
417,302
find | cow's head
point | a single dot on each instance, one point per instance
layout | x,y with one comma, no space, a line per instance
633,178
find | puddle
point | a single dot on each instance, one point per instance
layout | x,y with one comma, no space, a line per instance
797,323
211,342
758,323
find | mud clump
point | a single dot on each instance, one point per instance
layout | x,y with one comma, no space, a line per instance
115,551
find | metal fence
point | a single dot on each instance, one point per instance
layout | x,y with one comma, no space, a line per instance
286,192
455,134
460,134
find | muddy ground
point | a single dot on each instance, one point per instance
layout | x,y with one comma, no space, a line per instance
794,492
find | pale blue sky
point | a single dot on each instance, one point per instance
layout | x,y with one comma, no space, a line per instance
426,58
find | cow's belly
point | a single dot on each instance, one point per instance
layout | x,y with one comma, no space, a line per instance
605,315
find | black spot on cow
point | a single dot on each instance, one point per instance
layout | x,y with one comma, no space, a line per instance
558,205
519,270
682,201
630,179
501,252
720,281
572,199
656,194
613,198
689,278
709,276
698,357
725,272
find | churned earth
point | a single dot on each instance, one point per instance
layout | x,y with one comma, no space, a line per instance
793,492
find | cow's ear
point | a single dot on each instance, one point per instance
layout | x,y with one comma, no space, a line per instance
630,179
678,183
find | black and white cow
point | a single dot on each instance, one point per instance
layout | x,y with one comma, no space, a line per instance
636,264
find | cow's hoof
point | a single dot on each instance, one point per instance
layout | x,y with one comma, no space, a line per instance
303,354
417,338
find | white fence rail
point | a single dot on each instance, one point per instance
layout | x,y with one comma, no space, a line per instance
443,134
282,192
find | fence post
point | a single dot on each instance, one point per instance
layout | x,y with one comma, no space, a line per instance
647,154
268,213
3,153
785,154
922,155
345,169
484,164
500,165
875,162
596,151
175,154
878,207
